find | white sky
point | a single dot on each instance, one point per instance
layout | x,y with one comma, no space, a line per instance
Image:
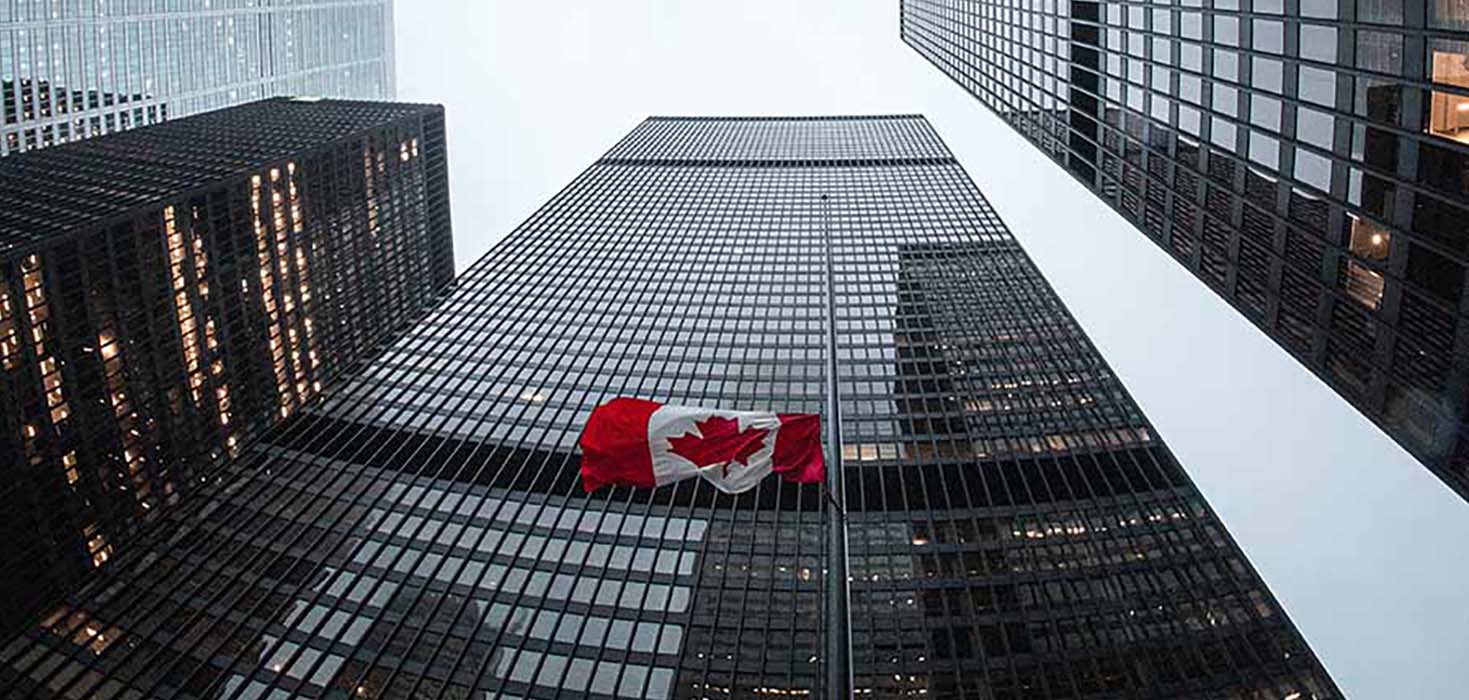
1360,543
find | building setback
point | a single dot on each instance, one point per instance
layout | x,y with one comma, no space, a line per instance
167,292
1307,159
71,70
1017,528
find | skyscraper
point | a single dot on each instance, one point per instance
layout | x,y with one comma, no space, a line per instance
1308,160
167,292
1017,528
71,70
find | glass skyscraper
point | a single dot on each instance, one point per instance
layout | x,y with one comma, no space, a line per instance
1017,529
71,69
168,292
1307,159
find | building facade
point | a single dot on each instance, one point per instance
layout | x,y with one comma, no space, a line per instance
1307,159
168,292
1018,531
71,69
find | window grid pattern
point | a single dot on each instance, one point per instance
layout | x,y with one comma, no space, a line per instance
72,69
1018,530
1307,159
203,293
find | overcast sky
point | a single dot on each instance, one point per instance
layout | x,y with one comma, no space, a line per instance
1360,543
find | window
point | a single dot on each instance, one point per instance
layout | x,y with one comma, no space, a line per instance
1318,86
1371,193
1370,240
1435,273
1267,74
1188,120
1222,133
1192,25
1449,112
1190,88
1192,56
1264,150
1380,51
1268,36
1226,30
1318,43
1443,169
1441,222
1364,285
1265,112
1313,170
1226,100
1226,65
1380,11
1320,8
1379,101
1315,128
1448,14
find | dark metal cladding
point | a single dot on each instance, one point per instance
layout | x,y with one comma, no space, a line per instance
1017,529
168,292
1307,159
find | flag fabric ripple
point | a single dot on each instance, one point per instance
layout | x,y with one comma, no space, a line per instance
635,442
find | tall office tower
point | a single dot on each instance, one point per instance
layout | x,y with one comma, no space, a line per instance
168,292
71,70
1017,528
1307,159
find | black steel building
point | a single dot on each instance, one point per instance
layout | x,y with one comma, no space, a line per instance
1017,529
166,293
1307,159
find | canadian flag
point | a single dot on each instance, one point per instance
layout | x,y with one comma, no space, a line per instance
645,443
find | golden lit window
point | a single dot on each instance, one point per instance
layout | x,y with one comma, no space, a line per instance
1370,241
1364,284
1449,112
97,545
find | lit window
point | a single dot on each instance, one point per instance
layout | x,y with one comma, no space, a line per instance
1448,112
1364,285
1370,241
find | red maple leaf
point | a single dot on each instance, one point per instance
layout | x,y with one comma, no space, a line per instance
719,441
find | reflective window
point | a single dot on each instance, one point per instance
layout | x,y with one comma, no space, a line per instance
1318,43
1326,9
1226,30
1267,74
1226,100
1222,133
1380,11
1316,128
1264,150
1265,112
1317,85
1380,51
1449,14
1313,170
1268,35
1226,65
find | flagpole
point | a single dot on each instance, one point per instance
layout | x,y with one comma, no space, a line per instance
839,683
